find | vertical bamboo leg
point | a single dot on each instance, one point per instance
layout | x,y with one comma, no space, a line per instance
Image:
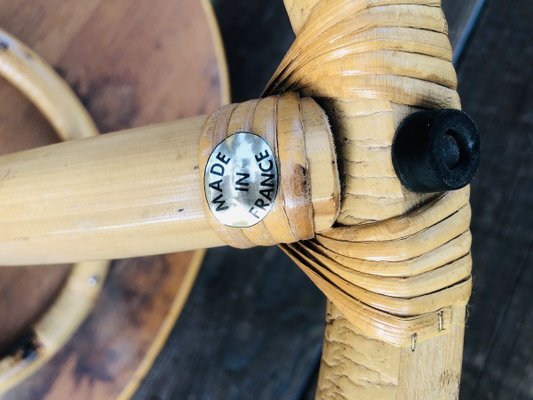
355,365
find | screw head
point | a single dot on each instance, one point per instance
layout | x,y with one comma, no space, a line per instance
436,151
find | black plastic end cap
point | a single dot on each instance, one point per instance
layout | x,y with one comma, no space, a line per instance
436,151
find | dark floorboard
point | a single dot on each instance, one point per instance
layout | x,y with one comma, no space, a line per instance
252,328
253,325
495,84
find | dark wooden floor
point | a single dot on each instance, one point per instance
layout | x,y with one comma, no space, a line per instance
253,325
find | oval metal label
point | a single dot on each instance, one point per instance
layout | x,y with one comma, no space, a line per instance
241,180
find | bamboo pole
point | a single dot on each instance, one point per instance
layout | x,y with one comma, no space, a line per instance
138,193
52,96
349,51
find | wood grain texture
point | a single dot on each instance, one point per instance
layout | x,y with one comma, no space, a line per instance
348,54
143,43
462,17
102,358
299,12
17,315
150,175
498,338
253,50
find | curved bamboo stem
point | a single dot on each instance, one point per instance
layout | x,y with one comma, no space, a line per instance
53,97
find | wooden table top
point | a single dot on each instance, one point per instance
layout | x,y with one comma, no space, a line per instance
132,64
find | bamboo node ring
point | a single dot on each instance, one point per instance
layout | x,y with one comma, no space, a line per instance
30,74
269,171
397,262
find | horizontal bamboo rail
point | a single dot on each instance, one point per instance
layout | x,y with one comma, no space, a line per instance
136,192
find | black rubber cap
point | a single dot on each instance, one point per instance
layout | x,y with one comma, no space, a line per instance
436,151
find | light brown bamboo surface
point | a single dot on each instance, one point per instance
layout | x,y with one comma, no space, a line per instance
113,55
150,179
396,268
